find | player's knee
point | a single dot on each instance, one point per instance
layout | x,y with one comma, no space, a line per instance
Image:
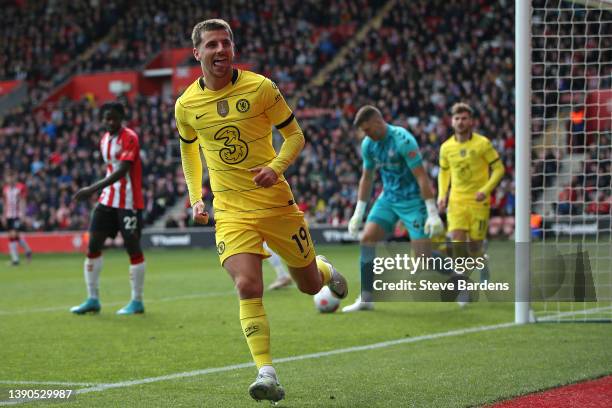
132,248
369,239
249,287
94,247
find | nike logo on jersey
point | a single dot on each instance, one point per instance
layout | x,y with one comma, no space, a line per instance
199,116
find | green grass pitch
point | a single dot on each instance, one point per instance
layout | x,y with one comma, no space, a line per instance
191,323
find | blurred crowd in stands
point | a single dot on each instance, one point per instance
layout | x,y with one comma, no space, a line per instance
414,81
423,57
56,155
43,42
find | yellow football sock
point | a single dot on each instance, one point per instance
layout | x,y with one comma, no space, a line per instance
325,271
256,330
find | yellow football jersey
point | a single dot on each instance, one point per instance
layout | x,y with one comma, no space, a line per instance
233,126
469,164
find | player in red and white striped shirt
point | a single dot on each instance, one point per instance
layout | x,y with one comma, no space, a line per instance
119,208
14,196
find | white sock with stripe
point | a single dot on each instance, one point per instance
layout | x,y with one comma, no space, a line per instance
91,270
137,273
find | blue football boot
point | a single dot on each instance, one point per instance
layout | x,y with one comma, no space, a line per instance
89,306
134,307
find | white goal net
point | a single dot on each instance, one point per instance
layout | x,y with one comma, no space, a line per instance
571,177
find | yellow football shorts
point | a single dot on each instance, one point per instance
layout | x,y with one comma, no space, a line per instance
470,216
285,234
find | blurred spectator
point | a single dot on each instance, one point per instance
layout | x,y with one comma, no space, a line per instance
73,160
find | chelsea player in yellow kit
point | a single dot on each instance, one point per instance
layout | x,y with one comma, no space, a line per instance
229,114
465,160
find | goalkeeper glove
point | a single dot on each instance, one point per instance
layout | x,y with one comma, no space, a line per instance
356,220
433,225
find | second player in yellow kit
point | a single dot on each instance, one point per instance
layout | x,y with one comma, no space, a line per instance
468,163
464,166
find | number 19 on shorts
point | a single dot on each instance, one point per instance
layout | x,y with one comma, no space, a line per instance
301,239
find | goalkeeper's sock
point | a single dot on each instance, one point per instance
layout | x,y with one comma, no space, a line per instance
366,262
91,270
324,270
485,274
256,330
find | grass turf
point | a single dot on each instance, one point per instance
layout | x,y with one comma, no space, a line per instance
191,323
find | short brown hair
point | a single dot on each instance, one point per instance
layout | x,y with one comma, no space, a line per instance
213,24
365,113
462,107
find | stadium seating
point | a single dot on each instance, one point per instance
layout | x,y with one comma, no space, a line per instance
57,156
397,67
414,82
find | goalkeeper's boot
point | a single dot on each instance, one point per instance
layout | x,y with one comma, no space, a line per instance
463,298
266,387
359,305
91,305
337,283
134,307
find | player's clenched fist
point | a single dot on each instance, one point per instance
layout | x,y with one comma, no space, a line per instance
264,176
200,216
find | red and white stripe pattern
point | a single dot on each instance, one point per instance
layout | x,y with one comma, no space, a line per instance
14,196
126,192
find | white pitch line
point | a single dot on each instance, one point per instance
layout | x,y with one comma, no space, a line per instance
164,299
384,344
68,384
374,346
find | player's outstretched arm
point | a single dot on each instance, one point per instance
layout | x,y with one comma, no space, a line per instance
433,224
86,192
